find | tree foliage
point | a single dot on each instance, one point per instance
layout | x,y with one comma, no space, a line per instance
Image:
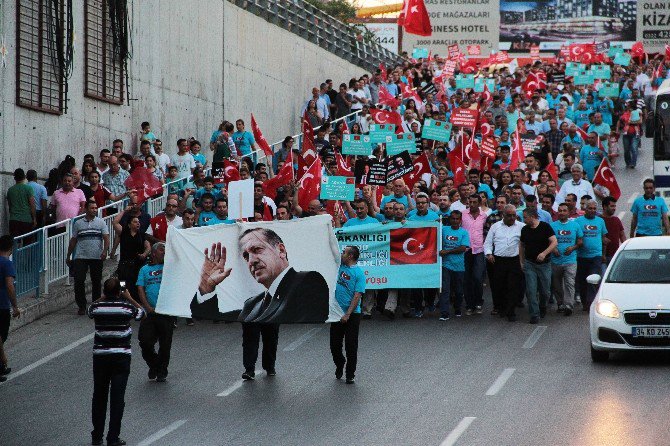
342,10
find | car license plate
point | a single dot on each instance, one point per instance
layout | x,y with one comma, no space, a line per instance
651,332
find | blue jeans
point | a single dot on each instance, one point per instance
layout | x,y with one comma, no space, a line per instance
585,267
631,143
538,276
451,279
475,267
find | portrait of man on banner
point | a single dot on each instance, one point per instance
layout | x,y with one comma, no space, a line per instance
290,296
253,272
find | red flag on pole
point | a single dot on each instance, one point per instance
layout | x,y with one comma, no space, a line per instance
230,171
605,178
343,168
308,147
414,18
260,139
310,184
518,154
387,117
145,184
283,177
421,166
457,167
386,98
637,50
382,72
553,170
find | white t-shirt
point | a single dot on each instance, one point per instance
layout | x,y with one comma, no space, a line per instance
184,163
163,160
360,94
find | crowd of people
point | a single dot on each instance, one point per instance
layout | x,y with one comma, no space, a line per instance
532,222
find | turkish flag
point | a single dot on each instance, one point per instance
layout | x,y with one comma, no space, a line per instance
414,18
486,95
553,170
310,184
536,80
308,147
145,184
413,246
260,139
283,177
457,167
421,166
386,98
468,66
387,117
382,72
410,93
230,171
302,166
605,177
637,50
343,168
334,208
474,50
518,154
667,52
585,135
582,52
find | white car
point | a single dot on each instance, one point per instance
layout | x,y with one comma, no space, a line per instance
631,311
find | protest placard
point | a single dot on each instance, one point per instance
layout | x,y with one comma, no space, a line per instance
356,145
397,143
464,81
463,117
398,166
337,188
436,130
241,199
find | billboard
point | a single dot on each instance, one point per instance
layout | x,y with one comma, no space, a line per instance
550,23
466,23
653,25
386,34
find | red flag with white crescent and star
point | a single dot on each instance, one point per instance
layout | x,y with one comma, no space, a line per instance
412,246
382,72
421,166
260,139
414,18
605,177
386,98
230,171
308,147
283,177
145,184
457,167
343,168
387,117
309,186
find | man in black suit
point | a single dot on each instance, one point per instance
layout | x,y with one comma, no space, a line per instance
290,296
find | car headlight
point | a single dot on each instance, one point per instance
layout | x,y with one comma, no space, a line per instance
607,308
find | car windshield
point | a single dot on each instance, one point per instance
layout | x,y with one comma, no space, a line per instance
641,266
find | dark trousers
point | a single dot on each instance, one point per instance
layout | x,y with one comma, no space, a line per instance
585,267
251,336
475,268
507,281
80,268
347,332
494,298
423,297
156,328
451,280
110,376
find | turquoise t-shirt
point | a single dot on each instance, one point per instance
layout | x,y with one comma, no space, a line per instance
200,159
431,215
350,280
452,239
485,188
217,221
204,217
358,222
567,234
150,277
243,141
581,117
605,108
649,212
593,229
591,157
603,130
388,198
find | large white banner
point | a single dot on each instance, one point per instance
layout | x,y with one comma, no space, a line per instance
386,34
653,24
266,272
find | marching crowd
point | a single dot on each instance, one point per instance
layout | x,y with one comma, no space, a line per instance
530,218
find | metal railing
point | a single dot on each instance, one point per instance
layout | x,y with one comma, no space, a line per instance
312,24
40,256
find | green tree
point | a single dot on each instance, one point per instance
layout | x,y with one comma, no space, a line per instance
342,10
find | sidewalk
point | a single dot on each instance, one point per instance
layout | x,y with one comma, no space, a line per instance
60,296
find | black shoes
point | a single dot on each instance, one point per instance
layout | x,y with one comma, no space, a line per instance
249,375
534,320
339,371
5,371
350,380
567,311
161,377
543,312
96,442
367,316
272,372
117,442
152,374
511,318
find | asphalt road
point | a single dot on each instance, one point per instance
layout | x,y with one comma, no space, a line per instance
478,380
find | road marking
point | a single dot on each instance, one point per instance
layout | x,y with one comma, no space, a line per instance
48,358
500,382
621,214
534,337
454,435
301,340
162,433
633,197
234,387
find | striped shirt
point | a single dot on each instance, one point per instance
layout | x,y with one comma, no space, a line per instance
89,235
116,183
112,325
